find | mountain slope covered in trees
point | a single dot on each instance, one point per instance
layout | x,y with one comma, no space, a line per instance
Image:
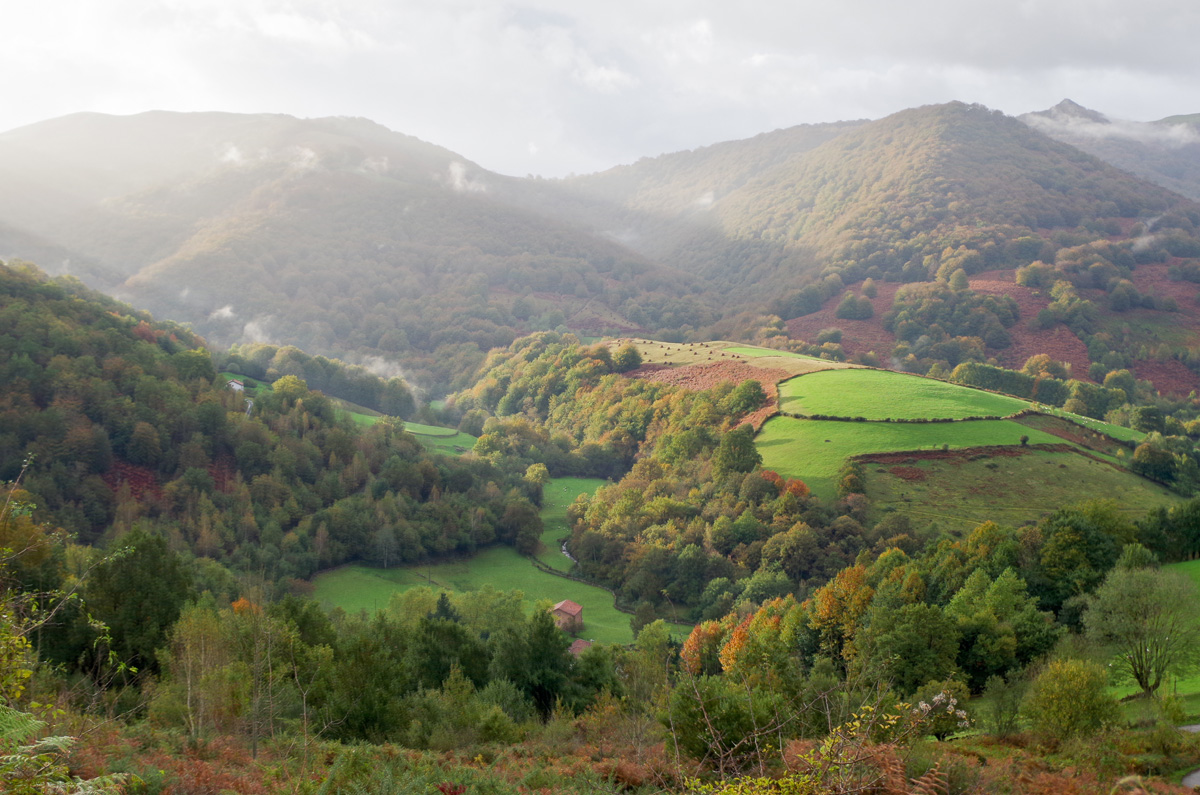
1165,152
334,234
347,239
878,198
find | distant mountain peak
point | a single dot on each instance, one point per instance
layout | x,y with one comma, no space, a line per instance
1070,110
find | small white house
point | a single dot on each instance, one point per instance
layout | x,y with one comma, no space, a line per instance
237,386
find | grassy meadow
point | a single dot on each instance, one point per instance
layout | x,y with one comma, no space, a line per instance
448,441
355,588
814,450
956,495
883,394
1115,431
557,496
676,353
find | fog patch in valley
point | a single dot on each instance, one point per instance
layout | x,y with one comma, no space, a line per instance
1172,136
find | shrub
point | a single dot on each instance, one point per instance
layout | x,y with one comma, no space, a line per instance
1069,698
1002,704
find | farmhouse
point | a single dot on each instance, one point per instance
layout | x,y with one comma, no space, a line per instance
579,646
568,616
236,385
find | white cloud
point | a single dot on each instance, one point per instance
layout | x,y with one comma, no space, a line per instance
593,84
224,313
256,331
460,182
1172,135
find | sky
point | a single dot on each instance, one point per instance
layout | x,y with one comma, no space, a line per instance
553,87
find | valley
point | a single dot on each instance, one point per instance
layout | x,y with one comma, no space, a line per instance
803,428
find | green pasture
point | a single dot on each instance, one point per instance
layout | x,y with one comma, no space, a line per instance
428,430
676,353
448,441
1119,432
814,450
355,588
883,394
456,443
557,496
1191,568
1187,688
956,495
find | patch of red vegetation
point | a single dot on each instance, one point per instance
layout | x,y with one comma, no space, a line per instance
1152,279
909,473
1059,343
709,374
1170,377
859,336
222,472
142,481
991,451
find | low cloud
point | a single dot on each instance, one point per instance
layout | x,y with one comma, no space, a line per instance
461,182
380,164
382,367
1151,133
256,331
300,158
705,199
224,313
385,368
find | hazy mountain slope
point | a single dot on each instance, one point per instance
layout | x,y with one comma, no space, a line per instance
1165,152
874,197
336,234
892,192
666,207
348,239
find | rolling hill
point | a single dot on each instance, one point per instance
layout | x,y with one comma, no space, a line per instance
1165,152
334,234
348,239
873,198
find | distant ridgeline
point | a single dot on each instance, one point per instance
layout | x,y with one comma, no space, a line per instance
349,240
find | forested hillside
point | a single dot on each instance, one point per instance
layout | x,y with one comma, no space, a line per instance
1165,152
877,198
345,239
335,235
115,421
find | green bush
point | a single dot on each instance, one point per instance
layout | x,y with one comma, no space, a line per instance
1069,698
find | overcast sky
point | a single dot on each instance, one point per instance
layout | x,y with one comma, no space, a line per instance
557,86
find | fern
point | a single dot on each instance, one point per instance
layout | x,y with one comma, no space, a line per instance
17,726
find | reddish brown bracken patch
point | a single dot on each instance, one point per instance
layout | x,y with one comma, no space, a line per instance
1059,343
995,451
142,481
709,374
909,473
859,336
